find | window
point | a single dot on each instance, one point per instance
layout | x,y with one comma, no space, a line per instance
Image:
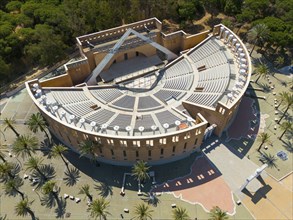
136,153
185,145
136,143
124,153
195,142
187,135
150,143
175,139
162,140
162,151
150,153
173,150
112,152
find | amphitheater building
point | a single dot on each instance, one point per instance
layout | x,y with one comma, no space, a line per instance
140,94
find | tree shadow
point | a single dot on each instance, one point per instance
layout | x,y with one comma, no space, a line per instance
288,145
265,86
151,199
61,209
46,148
71,176
104,189
214,21
38,180
48,201
193,29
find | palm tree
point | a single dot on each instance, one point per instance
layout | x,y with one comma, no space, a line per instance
49,189
12,186
217,214
288,101
9,123
34,163
142,212
58,150
98,209
88,148
22,208
286,126
264,138
140,171
6,171
180,214
25,145
262,70
257,34
269,159
279,61
85,189
36,122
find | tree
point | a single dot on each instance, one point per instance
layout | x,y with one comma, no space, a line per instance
85,189
58,150
50,190
288,101
9,123
140,171
269,159
34,163
88,148
98,209
36,122
11,187
6,171
180,214
22,208
262,70
142,212
264,138
257,34
24,145
286,126
279,61
217,214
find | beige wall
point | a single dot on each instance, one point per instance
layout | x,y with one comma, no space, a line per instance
188,141
58,81
220,116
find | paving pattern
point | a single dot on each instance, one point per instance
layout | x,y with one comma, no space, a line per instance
203,185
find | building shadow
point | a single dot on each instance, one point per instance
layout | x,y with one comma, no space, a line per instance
243,131
201,172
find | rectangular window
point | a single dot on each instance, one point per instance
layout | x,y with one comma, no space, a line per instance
175,139
124,153
174,147
185,145
163,140
195,142
137,154
150,143
162,151
112,152
150,153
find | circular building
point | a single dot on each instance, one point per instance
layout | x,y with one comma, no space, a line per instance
139,94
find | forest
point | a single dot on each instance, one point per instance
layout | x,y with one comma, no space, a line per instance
38,33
